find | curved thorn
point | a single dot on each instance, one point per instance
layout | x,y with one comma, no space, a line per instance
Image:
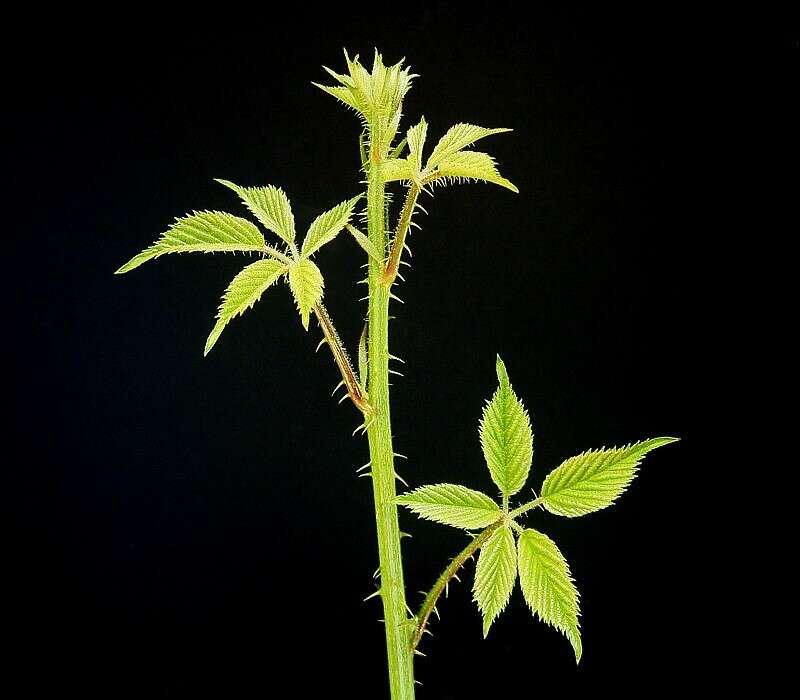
321,343
372,595
369,474
399,374
395,357
337,387
363,467
397,454
401,480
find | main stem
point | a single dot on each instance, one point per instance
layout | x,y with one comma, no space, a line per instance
396,622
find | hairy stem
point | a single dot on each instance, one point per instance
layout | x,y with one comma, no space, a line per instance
439,587
399,241
379,433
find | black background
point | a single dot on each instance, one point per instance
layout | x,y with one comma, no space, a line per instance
185,527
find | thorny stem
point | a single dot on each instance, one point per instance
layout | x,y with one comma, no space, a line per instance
354,389
525,508
397,625
458,561
342,359
399,241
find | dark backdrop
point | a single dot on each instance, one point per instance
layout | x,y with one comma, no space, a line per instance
185,527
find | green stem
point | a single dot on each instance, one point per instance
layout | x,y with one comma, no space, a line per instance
525,508
429,604
398,627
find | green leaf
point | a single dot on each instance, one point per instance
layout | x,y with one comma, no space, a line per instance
473,165
243,292
363,359
548,586
306,283
458,137
506,436
398,169
202,232
416,142
454,505
593,480
270,205
327,225
495,574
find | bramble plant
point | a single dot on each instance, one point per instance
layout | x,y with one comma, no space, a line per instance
506,550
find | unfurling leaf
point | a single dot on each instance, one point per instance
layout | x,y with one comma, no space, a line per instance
594,479
548,586
243,292
506,437
271,207
473,165
495,574
202,232
454,505
327,225
306,283
458,137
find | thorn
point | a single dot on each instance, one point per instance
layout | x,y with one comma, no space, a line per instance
455,576
321,343
377,572
397,274
399,374
395,357
372,595
408,250
401,480
397,454
418,652
404,534
417,682
427,631
364,298
344,398
418,205
409,610
415,225
405,262
369,474
447,589
436,610
362,468
336,388
396,298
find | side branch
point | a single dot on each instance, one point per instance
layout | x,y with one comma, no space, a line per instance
393,263
340,356
441,583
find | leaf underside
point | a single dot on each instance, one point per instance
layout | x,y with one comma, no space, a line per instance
243,292
548,587
202,232
593,480
451,504
506,437
473,165
495,575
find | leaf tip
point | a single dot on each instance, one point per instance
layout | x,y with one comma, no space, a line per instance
502,374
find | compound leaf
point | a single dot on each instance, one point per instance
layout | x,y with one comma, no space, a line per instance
548,586
495,574
457,137
506,436
594,480
451,504
243,292
271,207
307,284
202,232
473,165
327,225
